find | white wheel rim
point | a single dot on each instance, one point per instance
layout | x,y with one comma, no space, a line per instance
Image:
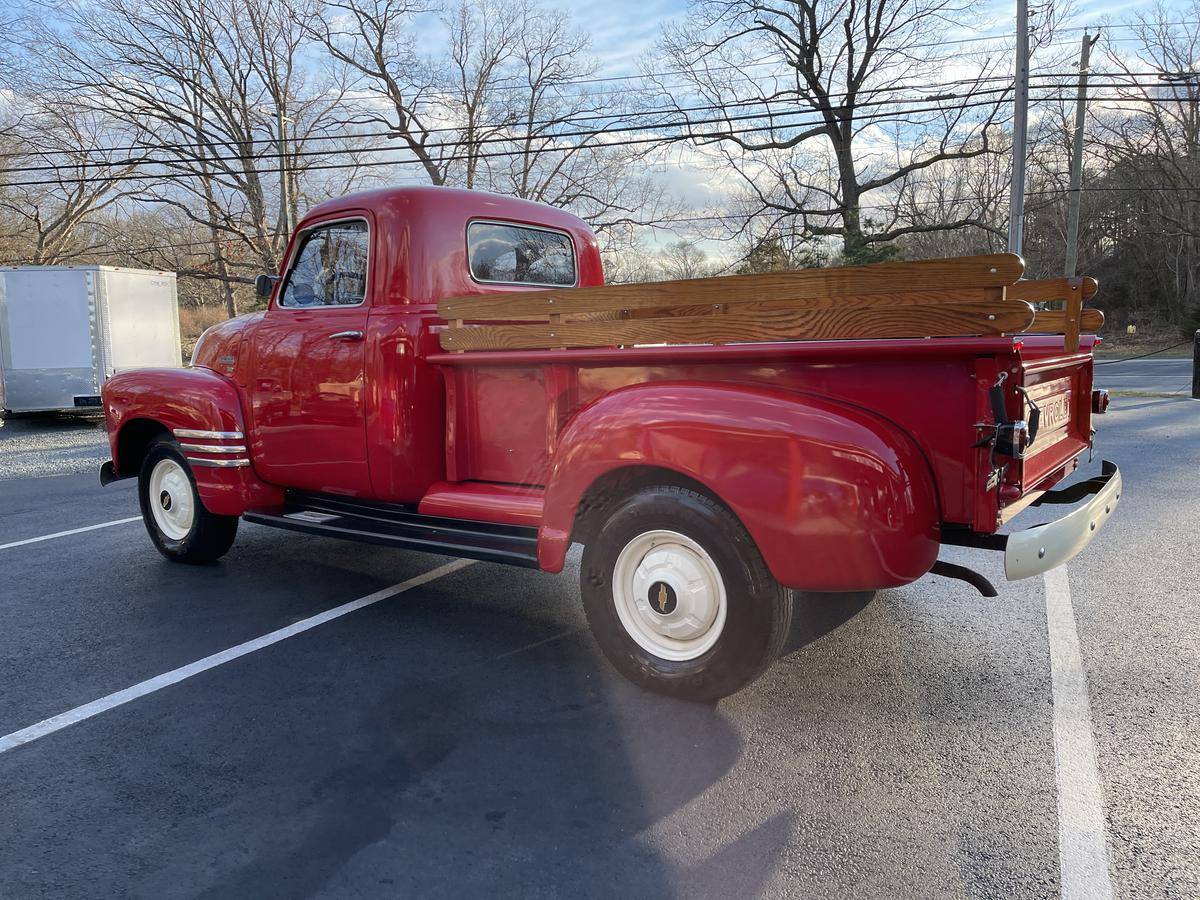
171,499
669,595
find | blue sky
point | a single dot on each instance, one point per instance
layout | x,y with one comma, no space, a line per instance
622,30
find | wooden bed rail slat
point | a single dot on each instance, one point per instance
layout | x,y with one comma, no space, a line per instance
861,301
1072,319
1074,315
1054,321
963,273
996,317
1048,290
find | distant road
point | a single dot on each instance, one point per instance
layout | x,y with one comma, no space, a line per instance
1157,376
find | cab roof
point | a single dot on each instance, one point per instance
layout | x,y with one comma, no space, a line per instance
451,202
420,238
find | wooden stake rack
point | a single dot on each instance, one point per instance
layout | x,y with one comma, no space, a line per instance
970,295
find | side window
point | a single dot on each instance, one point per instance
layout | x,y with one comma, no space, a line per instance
330,269
512,254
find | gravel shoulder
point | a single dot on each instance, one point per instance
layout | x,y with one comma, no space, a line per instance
51,445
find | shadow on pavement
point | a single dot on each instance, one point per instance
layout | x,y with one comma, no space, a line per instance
443,764
51,421
818,612
462,740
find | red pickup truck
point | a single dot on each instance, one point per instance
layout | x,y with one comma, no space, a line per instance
708,480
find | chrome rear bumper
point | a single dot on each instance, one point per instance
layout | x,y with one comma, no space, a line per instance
1044,547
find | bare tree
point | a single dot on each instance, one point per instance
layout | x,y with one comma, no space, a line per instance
972,187
398,89
685,259
756,65
478,96
53,185
560,156
1148,190
501,110
202,86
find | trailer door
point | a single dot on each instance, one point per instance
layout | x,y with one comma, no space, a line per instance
48,338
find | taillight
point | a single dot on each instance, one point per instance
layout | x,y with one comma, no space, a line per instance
1099,401
1012,439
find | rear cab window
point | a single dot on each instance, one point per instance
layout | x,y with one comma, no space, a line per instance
507,253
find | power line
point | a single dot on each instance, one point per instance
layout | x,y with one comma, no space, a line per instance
511,153
764,101
630,77
689,124
534,136
768,113
686,124
931,92
710,137
617,117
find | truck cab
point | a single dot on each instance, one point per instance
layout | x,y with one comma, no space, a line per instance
341,399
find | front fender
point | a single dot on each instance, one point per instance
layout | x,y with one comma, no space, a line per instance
193,398
836,497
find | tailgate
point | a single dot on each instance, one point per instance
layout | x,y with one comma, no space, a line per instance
1060,387
1061,390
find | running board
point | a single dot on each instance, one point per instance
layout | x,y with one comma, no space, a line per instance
393,525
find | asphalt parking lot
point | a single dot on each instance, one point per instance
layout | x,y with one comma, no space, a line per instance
1150,375
464,737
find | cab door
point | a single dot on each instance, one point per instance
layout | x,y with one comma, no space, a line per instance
309,384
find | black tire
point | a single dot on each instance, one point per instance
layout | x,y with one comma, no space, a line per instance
758,609
209,537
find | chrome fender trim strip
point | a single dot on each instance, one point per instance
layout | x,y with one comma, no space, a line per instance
213,448
208,435
218,463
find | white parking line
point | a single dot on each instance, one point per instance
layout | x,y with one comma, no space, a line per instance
80,713
58,534
1082,844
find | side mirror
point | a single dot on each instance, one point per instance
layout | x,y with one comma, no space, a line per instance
264,284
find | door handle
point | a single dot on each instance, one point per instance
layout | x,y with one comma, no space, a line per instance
346,336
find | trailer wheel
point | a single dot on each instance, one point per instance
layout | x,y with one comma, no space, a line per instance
180,527
679,598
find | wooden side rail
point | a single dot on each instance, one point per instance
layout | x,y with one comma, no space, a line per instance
974,295
1072,319
785,324
941,275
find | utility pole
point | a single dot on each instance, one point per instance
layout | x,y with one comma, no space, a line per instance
1016,199
1077,157
284,192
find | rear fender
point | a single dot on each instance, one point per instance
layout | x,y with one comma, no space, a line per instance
144,402
836,497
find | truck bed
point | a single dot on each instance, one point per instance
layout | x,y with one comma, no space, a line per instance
505,410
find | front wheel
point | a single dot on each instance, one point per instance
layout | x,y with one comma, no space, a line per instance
679,598
180,527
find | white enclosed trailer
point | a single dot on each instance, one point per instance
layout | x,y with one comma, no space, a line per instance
65,329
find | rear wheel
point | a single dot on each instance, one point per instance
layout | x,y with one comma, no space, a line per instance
180,527
679,598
